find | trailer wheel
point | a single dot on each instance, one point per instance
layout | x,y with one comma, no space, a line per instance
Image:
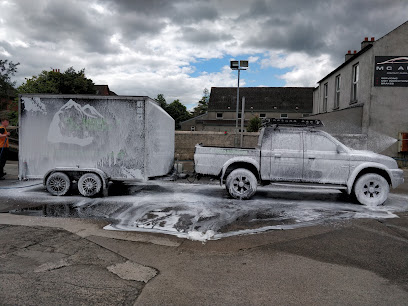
58,183
241,184
371,189
89,184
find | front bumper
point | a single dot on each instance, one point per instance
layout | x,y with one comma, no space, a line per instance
397,177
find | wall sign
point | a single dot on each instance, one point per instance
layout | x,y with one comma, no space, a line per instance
391,71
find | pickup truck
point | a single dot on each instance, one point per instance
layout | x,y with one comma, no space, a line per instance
295,152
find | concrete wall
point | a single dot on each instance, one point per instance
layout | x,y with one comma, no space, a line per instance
353,141
185,142
347,121
388,108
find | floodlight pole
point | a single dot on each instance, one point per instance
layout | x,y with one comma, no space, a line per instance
242,120
238,65
236,117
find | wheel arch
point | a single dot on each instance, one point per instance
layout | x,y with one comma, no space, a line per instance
231,165
358,172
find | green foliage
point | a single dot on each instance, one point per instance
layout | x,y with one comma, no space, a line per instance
254,124
7,69
178,112
161,100
69,82
202,106
13,118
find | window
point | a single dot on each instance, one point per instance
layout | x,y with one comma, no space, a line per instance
262,116
325,95
286,141
315,142
284,115
219,115
239,115
192,128
354,90
337,96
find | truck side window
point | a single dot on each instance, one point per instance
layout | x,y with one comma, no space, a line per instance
286,141
316,142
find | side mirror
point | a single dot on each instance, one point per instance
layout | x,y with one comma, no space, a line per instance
339,149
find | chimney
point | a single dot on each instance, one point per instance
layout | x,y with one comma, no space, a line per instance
366,42
348,56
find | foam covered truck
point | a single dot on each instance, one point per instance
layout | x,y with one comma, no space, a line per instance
296,152
91,140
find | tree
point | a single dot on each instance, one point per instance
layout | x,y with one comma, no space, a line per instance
202,106
7,69
161,100
69,82
178,112
254,124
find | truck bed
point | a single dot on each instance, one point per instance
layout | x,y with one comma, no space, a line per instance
210,160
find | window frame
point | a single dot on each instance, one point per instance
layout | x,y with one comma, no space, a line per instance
337,85
325,96
282,116
219,117
354,83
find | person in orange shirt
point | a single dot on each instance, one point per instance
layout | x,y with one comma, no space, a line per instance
4,145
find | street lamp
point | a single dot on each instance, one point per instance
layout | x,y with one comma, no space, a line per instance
238,65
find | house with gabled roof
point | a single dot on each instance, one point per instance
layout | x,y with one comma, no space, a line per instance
368,94
264,102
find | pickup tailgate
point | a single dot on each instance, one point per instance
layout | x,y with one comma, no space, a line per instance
210,160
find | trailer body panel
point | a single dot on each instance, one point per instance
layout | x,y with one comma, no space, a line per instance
109,133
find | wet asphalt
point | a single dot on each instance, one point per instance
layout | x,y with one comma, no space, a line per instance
336,258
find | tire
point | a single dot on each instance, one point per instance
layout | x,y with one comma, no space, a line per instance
371,189
58,183
241,184
89,184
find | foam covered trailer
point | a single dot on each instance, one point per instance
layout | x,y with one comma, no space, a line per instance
91,140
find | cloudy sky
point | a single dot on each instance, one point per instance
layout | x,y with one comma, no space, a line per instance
180,47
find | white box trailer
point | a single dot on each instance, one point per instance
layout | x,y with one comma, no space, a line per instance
93,139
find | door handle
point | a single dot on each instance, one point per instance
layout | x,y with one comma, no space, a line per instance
277,155
312,157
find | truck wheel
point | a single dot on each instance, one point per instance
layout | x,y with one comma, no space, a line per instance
89,184
58,183
241,184
371,189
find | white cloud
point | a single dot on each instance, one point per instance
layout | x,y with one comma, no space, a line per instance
4,52
305,70
150,47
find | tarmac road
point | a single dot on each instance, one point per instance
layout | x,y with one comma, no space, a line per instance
74,261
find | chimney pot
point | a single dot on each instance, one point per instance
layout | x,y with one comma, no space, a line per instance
355,51
349,52
372,39
365,38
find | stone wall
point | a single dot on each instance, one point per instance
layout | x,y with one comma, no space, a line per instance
185,142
